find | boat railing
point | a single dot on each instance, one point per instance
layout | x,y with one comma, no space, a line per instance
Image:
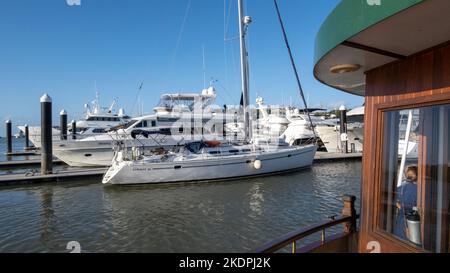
348,218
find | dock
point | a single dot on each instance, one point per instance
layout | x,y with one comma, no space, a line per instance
57,176
17,164
24,153
324,157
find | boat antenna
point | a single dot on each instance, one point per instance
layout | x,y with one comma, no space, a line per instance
111,108
204,67
138,95
302,95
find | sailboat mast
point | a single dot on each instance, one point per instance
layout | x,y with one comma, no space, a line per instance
244,21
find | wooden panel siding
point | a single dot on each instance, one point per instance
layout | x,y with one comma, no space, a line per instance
420,80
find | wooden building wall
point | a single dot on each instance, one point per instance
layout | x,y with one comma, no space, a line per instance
419,80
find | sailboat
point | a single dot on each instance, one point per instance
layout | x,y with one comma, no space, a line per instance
213,160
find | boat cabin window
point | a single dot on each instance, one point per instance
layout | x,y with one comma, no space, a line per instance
415,177
142,124
130,124
103,119
195,147
98,131
180,103
355,119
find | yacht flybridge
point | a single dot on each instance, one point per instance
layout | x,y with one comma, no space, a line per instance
213,160
181,102
98,120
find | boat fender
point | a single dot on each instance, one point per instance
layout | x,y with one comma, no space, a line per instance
257,164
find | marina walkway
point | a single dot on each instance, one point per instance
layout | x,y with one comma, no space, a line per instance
17,164
58,176
324,156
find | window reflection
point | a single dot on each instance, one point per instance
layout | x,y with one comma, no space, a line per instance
415,176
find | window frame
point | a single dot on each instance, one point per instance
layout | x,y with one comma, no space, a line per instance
375,229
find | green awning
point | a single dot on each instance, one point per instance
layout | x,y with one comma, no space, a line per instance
357,37
351,17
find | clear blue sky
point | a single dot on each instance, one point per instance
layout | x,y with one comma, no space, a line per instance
49,46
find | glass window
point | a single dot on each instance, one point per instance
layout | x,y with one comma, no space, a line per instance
98,131
130,124
415,176
142,124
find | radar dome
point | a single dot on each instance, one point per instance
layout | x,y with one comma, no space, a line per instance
211,91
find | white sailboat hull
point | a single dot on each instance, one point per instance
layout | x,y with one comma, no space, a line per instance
223,168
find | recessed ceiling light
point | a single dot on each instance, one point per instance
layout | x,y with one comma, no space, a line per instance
344,68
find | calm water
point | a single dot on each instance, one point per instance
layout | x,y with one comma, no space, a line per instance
218,217
18,145
234,216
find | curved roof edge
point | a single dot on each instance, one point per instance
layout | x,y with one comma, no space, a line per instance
353,16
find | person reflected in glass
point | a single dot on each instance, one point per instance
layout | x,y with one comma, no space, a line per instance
406,201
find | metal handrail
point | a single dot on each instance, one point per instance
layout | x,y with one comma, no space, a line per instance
293,237
348,218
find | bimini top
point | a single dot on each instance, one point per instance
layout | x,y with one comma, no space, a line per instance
364,34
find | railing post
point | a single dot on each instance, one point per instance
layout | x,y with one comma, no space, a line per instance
349,210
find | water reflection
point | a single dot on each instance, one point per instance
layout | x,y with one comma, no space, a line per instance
256,199
233,216
47,213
